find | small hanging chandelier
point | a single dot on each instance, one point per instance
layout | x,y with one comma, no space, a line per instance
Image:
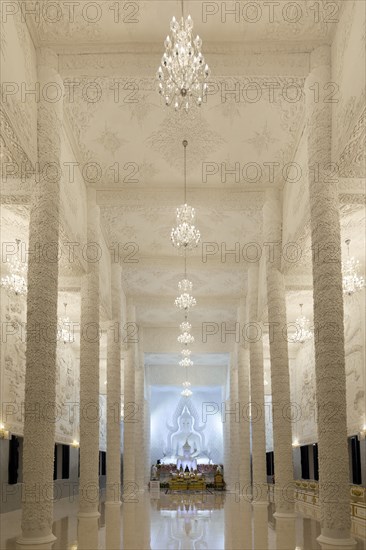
183,74
352,281
15,283
185,235
185,326
303,332
186,362
65,330
185,300
185,285
186,392
185,338
186,352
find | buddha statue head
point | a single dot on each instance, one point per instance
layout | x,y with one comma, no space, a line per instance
185,422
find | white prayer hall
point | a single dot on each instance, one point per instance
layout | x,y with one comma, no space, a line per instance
182,275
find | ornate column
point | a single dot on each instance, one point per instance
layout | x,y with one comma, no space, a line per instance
258,421
89,370
113,487
147,468
244,399
140,416
234,419
129,425
147,433
226,434
328,311
40,378
280,379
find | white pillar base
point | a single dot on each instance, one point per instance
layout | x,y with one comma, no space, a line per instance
260,504
113,503
285,515
47,539
88,515
330,542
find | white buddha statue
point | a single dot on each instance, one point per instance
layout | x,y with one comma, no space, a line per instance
186,434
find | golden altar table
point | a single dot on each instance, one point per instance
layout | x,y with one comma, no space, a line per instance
187,483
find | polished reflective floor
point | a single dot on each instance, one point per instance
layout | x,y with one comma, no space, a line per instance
175,521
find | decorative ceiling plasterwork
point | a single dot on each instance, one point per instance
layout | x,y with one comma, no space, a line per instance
110,23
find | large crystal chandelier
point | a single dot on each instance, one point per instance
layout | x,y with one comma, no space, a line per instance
352,281
303,331
16,283
185,235
65,327
183,74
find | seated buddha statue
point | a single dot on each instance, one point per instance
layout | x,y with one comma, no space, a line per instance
184,434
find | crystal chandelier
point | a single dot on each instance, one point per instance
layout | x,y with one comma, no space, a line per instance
185,285
185,338
186,392
186,362
15,283
183,74
185,235
185,326
185,300
186,352
65,324
352,281
303,332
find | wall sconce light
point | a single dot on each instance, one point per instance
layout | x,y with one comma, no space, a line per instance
363,432
4,434
75,443
296,443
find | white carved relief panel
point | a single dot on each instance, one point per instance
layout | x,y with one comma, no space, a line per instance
13,365
67,393
303,386
19,74
73,196
354,327
348,76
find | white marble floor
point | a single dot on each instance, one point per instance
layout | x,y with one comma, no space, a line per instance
176,521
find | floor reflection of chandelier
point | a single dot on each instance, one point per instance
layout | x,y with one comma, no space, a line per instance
15,282
352,281
303,331
183,74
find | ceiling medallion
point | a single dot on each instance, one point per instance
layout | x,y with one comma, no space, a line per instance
183,74
185,235
352,281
